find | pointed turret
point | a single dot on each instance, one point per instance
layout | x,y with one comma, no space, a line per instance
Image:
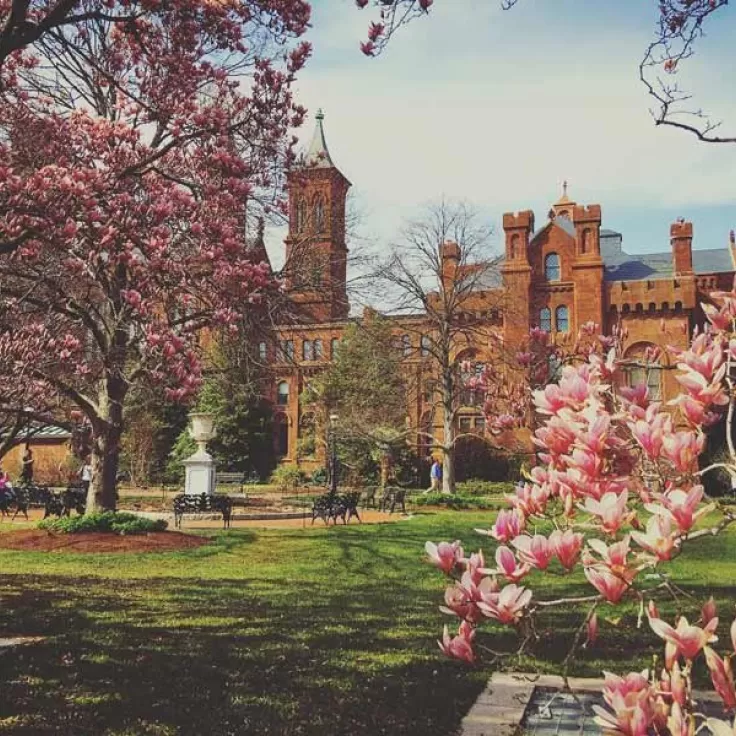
318,155
564,205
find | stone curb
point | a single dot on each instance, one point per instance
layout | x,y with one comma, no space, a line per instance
168,516
500,707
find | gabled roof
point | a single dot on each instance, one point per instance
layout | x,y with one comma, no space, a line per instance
562,222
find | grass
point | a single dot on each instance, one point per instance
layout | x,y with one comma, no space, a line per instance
289,632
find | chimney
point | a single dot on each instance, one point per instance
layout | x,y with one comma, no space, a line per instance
450,255
681,238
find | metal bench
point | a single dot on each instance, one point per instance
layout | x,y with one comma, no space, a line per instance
230,479
393,497
193,504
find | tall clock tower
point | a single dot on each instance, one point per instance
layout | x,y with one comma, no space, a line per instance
316,252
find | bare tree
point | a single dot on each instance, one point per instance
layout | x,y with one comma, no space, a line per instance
442,281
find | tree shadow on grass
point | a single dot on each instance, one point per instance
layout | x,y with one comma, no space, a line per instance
173,656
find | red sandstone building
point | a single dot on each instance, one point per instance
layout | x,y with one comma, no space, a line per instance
558,276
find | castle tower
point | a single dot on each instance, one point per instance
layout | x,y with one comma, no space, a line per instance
316,251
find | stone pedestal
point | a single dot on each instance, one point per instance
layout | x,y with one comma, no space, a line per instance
200,474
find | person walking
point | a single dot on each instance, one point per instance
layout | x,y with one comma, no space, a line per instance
86,475
435,476
26,473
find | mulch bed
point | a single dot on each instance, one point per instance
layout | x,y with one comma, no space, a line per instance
39,540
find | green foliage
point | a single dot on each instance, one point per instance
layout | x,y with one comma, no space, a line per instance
184,447
365,387
455,501
477,458
107,521
287,477
319,476
476,487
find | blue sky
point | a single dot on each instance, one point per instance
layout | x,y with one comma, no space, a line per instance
499,107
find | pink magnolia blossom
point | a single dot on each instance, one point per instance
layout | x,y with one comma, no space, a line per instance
508,525
660,539
461,646
673,684
474,566
508,565
592,629
509,606
682,449
722,677
444,555
685,640
609,585
462,598
567,546
611,510
709,610
682,505
632,714
536,551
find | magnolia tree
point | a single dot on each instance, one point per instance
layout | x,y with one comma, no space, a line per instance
131,136
620,496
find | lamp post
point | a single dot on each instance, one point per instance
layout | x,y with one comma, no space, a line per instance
332,442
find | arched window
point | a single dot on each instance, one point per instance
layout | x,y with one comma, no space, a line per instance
426,344
319,213
262,352
318,349
406,345
562,322
301,215
642,368
333,347
552,267
282,393
307,350
545,319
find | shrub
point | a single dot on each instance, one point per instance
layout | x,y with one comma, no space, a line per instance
455,501
475,487
287,477
107,521
319,477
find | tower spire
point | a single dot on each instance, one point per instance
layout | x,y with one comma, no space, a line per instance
318,155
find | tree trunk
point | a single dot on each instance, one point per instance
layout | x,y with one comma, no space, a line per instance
448,430
108,431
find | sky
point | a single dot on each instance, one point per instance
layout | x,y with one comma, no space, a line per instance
497,108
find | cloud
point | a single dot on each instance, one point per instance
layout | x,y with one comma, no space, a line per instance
499,107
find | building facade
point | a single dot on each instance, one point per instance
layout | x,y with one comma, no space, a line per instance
568,272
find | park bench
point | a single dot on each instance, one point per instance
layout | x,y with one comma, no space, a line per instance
368,496
202,504
230,479
341,506
393,497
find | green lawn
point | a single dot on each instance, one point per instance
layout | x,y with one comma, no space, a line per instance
322,631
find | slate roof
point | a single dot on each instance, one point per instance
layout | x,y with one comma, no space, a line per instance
622,266
318,155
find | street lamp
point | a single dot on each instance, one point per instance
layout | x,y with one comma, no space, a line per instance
332,443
